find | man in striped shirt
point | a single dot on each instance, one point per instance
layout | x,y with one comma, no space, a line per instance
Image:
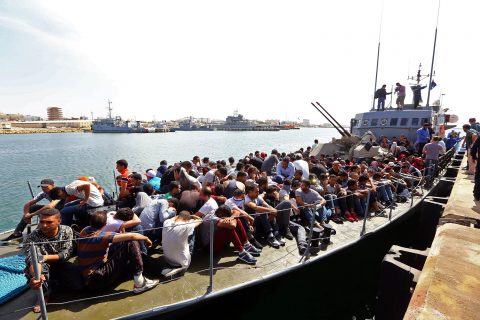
102,266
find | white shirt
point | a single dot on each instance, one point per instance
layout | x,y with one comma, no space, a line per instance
156,213
175,242
94,200
209,206
209,177
302,165
233,203
113,225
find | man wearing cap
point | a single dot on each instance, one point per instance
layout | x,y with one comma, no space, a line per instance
32,208
153,179
423,137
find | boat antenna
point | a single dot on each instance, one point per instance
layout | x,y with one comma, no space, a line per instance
109,109
339,131
378,56
433,57
338,124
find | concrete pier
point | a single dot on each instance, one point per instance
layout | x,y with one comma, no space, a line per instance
449,285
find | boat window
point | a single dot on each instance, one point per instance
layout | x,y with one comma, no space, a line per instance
365,122
414,121
393,121
374,122
425,120
403,121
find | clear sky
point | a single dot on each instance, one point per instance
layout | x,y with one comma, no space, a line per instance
268,59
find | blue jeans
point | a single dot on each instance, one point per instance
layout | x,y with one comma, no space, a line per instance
381,104
72,210
310,215
360,205
385,193
430,170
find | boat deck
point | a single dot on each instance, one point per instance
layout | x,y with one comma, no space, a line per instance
120,301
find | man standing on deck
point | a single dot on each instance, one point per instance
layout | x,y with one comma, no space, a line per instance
432,151
423,137
400,91
470,136
381,95
417,95
475,153
54,249
32,208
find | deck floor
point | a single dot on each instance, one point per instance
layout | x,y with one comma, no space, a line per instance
228,272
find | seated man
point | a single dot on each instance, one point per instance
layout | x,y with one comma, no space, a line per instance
356,200
237,202
273,198
32,208
54,249
101,271
177,234
227,230
88,197
265,217
209,204
152,179
311,205
155,214
124,220
173,190
384,189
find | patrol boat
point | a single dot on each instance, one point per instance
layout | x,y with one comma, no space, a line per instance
116,125
394,122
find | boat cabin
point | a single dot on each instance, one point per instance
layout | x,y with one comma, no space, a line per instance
393,122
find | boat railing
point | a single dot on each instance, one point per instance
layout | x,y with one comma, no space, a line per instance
443,162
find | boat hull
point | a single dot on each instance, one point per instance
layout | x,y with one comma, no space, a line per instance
336,285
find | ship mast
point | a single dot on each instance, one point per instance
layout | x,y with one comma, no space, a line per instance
378,58
109,109
433,57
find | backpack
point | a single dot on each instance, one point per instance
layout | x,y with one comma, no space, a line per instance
377,94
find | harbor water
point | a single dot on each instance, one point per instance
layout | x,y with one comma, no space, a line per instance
64,157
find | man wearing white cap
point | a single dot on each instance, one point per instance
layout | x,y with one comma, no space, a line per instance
153,179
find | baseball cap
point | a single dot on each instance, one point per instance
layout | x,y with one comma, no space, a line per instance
150,173
46,182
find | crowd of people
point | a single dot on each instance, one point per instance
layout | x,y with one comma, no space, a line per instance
259,200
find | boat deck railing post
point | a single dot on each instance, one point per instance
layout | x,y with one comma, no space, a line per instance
306,254
29,226
36,270
212,230
391,206
365,216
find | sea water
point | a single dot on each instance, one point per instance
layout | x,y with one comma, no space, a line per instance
65,156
